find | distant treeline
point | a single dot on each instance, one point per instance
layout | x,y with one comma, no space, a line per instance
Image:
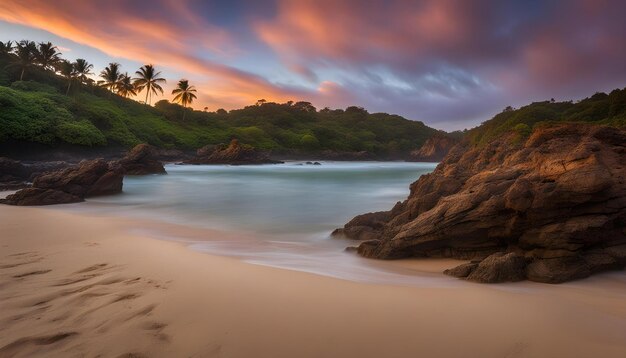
39,104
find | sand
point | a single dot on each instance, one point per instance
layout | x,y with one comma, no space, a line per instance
73,285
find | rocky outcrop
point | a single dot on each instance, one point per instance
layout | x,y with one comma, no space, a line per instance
557,200
234,153
434,150
89,178
143,159
16,175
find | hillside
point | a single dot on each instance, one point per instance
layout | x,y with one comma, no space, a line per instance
38,111
601,108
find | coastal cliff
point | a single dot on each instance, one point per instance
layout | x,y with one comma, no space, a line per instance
434,150
550,208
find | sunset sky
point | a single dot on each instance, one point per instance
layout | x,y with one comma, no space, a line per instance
451,64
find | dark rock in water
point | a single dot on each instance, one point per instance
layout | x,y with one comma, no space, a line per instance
558,199
143,159
364,227
317,163
88,178
234,153
37,196
434,150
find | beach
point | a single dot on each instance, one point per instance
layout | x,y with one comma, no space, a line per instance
79,285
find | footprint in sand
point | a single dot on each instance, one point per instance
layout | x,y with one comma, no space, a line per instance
94,299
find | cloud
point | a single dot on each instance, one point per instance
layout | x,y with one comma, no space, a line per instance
451,64
169,35
452,61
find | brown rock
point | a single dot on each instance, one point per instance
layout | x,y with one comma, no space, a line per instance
36,196
89,178
434,149
235,154
143,159
500,267
462,270
561,194
558,270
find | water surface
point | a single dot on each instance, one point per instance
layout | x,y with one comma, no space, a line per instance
276,215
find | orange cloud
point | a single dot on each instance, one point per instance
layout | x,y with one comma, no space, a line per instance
120,32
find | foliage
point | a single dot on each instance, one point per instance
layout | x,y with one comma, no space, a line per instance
599,109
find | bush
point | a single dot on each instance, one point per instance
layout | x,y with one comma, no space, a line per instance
80,133
309,141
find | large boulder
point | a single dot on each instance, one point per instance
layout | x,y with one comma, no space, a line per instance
88,178
143,159
233,153
434,149
558,199
37,196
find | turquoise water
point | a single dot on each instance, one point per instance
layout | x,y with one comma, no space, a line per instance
275,215
289,200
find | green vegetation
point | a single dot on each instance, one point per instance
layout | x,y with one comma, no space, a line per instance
57,102
599,109
45,99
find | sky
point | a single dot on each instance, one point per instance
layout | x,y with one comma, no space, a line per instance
451,64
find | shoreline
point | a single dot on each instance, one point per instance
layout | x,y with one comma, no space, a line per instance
74,284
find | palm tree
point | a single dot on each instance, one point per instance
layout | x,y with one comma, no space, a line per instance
149,79
48,55
83,69
6,47
24,56
185,94
68,70
125,86
111,76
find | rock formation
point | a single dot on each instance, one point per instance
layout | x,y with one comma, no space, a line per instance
434,150
143,159
88,178
16,175
551,208
234,153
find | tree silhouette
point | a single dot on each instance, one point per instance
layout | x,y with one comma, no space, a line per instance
83,69
185,94
111,76
24,59
125,86
48,55
68,71
6,47
148,79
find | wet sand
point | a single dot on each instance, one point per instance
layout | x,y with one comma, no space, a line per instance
76,285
